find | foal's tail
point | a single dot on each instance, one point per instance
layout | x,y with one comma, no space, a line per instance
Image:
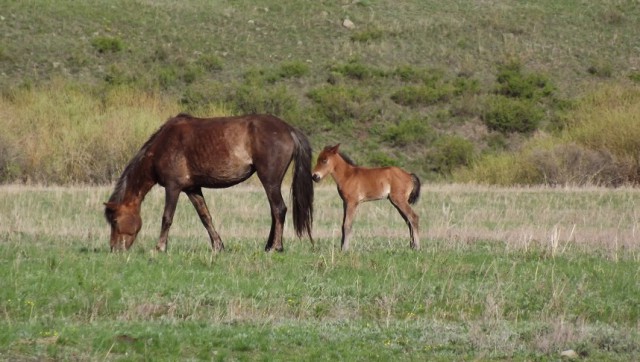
415,192
302,186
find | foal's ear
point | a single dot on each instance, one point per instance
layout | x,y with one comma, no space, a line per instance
334,149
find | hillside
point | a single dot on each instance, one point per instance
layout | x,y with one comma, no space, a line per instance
428,85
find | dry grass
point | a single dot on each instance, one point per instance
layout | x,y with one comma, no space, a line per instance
452,216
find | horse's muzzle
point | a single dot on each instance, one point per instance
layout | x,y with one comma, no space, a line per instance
316,177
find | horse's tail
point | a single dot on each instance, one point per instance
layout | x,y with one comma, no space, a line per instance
302,186
415,192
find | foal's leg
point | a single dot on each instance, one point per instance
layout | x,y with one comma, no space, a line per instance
349,215
410,217
199,203
170,201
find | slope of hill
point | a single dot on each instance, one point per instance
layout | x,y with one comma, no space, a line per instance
429,85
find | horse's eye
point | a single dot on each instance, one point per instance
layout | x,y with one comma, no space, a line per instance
325,161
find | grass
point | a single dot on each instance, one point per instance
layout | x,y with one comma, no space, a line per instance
515,274
420,60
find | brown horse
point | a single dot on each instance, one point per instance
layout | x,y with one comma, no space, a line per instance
358,184
188,153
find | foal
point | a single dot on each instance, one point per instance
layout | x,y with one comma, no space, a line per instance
358,184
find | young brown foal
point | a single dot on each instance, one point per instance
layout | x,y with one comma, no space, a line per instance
358,184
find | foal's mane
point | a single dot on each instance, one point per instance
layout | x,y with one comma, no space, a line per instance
347,159
121,184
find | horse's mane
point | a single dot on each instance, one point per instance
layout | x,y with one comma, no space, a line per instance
347,159
121,184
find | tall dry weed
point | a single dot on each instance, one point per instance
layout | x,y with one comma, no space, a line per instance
62,133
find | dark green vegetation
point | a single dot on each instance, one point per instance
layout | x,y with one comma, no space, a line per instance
410,84
503,275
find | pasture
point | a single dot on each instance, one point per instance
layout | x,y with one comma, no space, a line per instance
503,273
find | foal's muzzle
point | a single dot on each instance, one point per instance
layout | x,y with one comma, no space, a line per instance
316,177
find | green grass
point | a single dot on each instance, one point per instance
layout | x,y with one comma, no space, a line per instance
515,274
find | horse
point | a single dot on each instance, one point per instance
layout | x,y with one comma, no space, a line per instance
359,184
187,154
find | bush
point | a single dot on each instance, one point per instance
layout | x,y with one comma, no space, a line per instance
572,164
504,169
408,131
381,159
466,85
635,76
272,100
357,70
407,73
105,44
449,152
339,103
422,95
512,82
210,63
507,115
294,69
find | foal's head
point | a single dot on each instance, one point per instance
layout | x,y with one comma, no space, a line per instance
326,162
125,224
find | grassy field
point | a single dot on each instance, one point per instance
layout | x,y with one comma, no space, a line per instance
514,274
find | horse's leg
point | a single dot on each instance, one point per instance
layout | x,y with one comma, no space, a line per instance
349,214
278,213
410,217
171,199
270,171
197,199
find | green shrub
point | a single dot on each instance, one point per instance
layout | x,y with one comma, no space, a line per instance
356,70
427,76
116,75
274,100
339,103
199,97
635,76
408,131
210,63
449,152
106,44
379,159
422,95
295,69
508,115
512,82
465,85
167,77
190,73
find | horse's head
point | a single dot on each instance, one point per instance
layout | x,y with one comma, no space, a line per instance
325,163
125,224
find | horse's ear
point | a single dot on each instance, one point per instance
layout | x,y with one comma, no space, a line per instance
334,149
